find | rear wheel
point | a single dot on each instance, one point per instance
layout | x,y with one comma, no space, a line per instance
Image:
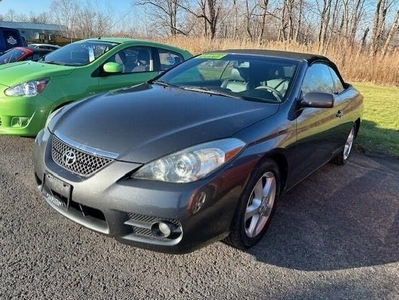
256,206
343,157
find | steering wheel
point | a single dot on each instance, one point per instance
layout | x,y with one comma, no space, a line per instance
275,92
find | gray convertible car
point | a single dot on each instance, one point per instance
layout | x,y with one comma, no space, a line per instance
200,153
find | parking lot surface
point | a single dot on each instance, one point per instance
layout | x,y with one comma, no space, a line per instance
334,236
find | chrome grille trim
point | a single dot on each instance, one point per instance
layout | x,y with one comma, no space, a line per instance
86,164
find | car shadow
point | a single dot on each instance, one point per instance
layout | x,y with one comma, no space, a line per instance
338,218
386,135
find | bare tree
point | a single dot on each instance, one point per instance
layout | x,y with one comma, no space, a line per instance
394,28
209,11
166,13
65,13
299,21
380,15
42,18
325,16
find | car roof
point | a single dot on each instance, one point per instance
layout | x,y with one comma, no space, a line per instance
47,45
139,41
276,53
37,50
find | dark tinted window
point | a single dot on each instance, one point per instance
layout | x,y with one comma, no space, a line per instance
338,86
134,59
169,59
318,79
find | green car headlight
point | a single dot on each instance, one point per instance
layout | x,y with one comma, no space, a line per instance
193,163
28,89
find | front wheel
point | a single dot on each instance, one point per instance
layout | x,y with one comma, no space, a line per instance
256,206
343,156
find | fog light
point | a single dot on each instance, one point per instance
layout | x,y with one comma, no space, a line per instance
19,121
163,229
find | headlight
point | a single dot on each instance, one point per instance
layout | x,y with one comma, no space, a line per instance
28,89
192,163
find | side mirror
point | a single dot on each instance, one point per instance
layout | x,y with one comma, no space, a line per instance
113,67
317,100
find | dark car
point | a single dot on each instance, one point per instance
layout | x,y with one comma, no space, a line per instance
202,152
10,38
22,53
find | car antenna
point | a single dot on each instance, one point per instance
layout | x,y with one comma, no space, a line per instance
120,19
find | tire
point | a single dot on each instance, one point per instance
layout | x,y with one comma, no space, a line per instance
256,206
343,156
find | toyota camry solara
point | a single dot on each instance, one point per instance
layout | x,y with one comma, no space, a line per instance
200,153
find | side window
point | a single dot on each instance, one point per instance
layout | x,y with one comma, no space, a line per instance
338,86
318,79
169,59
134,59
36,56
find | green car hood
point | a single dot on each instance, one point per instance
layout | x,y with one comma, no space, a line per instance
16,73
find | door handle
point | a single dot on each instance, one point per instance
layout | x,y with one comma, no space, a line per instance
339,114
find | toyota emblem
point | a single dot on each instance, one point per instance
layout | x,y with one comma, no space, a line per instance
69,157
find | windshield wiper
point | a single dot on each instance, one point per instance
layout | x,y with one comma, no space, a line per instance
161,82
53,62
210,92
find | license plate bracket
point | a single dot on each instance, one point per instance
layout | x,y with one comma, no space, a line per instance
56,191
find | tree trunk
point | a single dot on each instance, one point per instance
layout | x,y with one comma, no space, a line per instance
394,28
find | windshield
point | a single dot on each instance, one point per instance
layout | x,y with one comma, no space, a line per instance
11,56
249,77
79,54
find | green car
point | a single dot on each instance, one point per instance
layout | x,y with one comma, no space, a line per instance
30,91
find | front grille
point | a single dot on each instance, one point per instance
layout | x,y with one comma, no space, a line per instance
75,160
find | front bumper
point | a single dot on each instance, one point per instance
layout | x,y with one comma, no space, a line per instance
112,203
23,116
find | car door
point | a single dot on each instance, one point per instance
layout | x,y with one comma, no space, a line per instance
139,64
318,129
343,107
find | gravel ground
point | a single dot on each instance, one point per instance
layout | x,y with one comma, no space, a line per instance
334,236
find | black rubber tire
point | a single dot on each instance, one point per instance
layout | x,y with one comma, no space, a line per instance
343,157
239,237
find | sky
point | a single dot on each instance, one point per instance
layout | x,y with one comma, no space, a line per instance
40,6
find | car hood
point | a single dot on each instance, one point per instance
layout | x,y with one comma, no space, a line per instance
19,72
146,122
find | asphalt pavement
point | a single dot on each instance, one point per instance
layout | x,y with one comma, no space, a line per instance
334,236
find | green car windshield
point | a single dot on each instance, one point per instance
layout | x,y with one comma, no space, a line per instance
78,54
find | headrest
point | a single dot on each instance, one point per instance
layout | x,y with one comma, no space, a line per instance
240,74
276,71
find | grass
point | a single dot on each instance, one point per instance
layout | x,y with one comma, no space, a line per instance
379,131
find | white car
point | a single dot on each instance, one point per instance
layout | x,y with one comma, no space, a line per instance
44,46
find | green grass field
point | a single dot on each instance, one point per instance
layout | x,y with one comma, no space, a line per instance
379,131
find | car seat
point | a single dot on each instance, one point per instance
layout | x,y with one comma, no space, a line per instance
143,61
238,80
